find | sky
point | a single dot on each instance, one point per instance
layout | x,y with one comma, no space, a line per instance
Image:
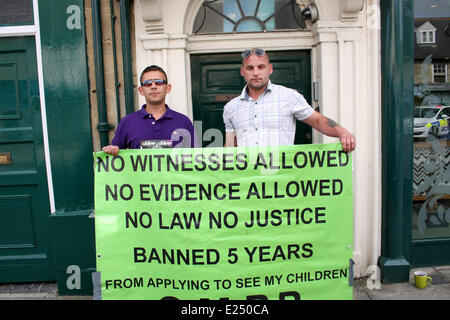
431,8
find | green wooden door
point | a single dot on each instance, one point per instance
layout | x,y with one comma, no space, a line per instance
216,79
24,201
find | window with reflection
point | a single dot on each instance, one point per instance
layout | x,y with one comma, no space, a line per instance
228,16
431,176
16,12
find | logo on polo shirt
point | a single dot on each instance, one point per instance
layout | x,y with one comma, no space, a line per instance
156,144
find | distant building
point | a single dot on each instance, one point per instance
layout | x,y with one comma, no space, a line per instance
432,61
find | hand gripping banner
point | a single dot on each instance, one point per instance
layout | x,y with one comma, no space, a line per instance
233,223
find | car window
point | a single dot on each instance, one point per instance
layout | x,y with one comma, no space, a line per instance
429,113
426,112
446,112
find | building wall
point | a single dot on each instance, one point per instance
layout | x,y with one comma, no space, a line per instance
114,92
424,74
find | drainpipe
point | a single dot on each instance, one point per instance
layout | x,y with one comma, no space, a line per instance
126,54
116,75
103,127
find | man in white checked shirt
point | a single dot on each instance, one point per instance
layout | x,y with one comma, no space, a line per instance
265,113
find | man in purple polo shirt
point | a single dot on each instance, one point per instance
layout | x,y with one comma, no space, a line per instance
155,125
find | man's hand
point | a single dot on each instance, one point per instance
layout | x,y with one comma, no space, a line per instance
348,141
113,150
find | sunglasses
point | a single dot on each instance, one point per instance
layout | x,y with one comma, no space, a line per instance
149,82
247,53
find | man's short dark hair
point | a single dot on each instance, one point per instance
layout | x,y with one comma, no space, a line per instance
153,68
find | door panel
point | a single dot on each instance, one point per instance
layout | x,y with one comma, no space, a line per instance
24,202
216,79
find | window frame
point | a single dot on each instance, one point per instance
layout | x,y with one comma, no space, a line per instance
442,73
426,36
206,10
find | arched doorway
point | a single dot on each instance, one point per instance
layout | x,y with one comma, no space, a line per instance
230,26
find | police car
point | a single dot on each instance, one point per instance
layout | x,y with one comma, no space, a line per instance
431,119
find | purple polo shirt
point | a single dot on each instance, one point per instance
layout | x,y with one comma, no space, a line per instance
140,126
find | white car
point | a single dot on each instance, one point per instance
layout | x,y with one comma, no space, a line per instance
431,119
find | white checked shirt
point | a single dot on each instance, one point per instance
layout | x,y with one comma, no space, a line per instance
268,121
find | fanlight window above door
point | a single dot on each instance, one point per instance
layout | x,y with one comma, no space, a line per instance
231,16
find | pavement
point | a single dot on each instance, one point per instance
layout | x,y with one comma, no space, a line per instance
439,289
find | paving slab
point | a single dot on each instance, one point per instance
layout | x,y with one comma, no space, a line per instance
439,289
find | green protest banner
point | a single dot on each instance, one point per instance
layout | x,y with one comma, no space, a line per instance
237,223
